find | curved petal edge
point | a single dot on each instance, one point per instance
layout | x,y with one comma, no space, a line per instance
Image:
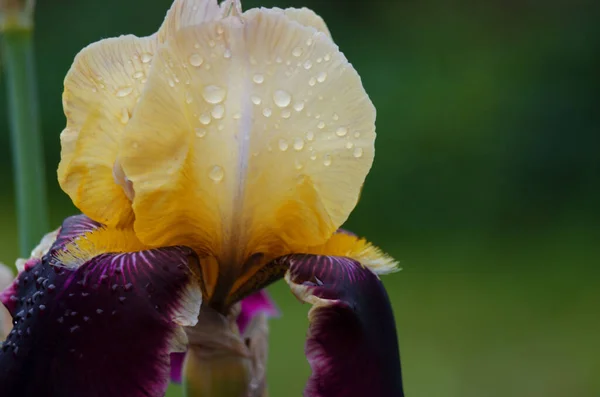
352,345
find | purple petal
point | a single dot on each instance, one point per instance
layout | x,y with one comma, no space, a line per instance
352,346
72,227
103,329
177,360
254,305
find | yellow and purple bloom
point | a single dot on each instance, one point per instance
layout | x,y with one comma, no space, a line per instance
209,160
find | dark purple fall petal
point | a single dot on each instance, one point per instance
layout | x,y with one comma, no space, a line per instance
177,360
104,329
352,346
72,227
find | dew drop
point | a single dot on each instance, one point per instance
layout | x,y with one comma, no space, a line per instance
319,60
200,133
342,131
349,145
146,57
313,156
312,81
309,41
196,60
218,112
220,127
298,165
216,173
212,43
227,54
171,82
267,112
286,114
258,78
327,160
327,57
237,116
297,51
321,77
321,125
278,60
138,75
124,115
255,100
298,144
188,97
336,117
357,134
298,106
282,98
124,91
204,119
310,135
358,152
213,94
308,64
283,145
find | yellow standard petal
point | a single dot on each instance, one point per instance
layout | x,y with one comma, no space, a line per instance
253,136
101,91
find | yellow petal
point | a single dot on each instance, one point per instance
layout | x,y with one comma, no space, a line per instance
359,249
101,90
185,13
307,17
253,135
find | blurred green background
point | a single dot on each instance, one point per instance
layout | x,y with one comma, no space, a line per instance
485,184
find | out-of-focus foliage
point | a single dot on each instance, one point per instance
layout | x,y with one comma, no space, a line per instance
485,185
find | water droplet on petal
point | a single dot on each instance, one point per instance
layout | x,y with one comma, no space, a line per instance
267,112
227,54
357,134
124,91
196,60
188,97
282,98
312,81
327,160
258,78
298,106
349,145
358,152
336,117
146,57
171,82
237,116
255,100
342,131
309,41
298,144
124,115
218,112
200,133
327,57
204,119
308,64
310,135
286,114
297,51
216,173
321,125
283,145
321,77
213,94
138,75
298,165
212,43
313,156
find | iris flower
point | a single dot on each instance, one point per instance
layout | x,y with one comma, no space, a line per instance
209,160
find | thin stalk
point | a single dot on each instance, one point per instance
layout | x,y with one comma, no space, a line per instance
28,157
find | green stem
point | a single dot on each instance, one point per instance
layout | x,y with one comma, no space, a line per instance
32,214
